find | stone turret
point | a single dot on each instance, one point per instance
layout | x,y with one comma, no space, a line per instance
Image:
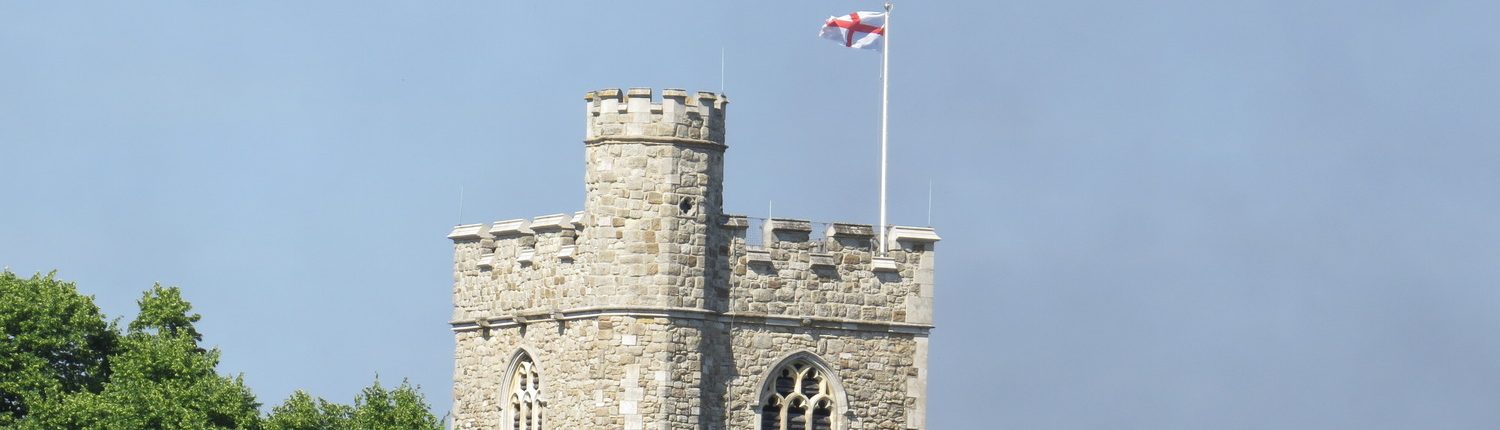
653,184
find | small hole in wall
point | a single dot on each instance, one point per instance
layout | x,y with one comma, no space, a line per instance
686,205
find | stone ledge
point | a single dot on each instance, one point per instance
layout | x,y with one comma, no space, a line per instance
913,234
822,259
789,224
513,227
525,255
519,319
577,220
655,140
560,221
468,232
735,222
839,229
753,256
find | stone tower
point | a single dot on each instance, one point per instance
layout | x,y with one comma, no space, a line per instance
654,180
652,309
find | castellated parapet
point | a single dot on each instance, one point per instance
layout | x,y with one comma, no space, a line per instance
651,308
679,117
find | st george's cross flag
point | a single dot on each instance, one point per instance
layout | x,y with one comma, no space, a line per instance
859,30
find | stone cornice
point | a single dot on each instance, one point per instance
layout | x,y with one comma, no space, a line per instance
656,140
516,320
468,232
901,233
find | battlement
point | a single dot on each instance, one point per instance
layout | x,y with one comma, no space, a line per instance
796,269
830,271
652,235
652,308
632,116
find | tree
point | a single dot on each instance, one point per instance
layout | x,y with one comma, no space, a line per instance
55,342
401,409
63,367
375,408
303,412
161,379
164,311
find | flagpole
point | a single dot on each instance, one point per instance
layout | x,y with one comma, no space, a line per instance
885,78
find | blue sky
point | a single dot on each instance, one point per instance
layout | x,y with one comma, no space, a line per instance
1156,215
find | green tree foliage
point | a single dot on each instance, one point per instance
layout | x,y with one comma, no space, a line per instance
303,412
162,382
375,408
401,409
160,379
163,311
55,342
62,367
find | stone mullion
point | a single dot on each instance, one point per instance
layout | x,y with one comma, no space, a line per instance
521,409
536,416
786,405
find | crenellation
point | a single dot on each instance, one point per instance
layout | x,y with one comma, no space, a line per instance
468,232
652,309
841,276
902,237
510,228
558,221
632,115
777,231
853,231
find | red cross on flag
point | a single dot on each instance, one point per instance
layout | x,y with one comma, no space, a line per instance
859,30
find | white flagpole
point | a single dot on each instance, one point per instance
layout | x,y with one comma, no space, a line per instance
885,78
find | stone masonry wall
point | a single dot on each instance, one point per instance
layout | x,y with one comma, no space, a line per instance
507,268
650,309
647,213
610,372
833,278
876,369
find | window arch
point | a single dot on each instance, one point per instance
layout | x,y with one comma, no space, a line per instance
523,394
801,394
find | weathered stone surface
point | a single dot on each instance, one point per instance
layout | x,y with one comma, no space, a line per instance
651,309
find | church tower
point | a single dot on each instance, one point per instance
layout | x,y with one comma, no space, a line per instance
652,309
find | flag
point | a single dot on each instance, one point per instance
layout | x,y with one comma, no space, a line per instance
859,30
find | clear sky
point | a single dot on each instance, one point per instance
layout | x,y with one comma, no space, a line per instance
1156,214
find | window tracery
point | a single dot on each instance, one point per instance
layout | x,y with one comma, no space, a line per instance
799,396
523,397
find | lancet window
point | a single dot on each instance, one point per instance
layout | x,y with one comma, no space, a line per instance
524,396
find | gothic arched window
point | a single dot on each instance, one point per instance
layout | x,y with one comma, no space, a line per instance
798,396
523,405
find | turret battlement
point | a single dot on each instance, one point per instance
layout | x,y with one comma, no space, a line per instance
632,116
650,308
